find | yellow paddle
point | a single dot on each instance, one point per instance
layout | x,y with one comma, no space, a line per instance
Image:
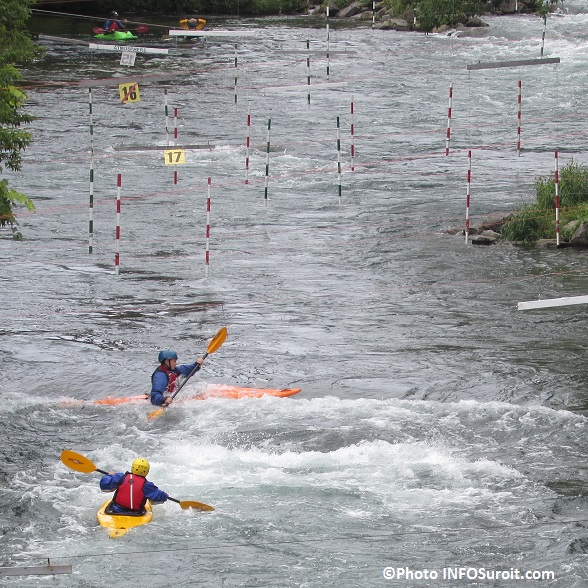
214,344
79,463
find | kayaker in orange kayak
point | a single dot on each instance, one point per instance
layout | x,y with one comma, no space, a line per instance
131,490
164,378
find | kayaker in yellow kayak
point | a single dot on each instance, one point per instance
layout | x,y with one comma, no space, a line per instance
131,490
114,23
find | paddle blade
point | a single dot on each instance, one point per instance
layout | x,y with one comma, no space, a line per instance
77,462
142,29
217,341
155,414
185,504
99,31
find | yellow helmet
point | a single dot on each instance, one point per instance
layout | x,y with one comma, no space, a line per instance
140,467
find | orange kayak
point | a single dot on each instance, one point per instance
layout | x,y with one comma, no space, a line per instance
210,391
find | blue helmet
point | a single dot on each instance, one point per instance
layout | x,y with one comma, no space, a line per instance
166,354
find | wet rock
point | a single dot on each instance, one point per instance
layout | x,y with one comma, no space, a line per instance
546,243
395,24
571,226
493,222
580,236
351,10
474,21
333,8
507,7
486,238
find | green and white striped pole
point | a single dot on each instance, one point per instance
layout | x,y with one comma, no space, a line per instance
267,152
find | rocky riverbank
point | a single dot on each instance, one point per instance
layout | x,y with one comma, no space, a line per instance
409,22
572,234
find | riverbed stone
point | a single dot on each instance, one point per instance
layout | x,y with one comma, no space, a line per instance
486,238
580,236
546,243
351,10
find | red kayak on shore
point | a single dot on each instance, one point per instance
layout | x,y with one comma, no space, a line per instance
209,391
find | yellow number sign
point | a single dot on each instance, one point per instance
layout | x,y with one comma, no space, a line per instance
129,92
174,156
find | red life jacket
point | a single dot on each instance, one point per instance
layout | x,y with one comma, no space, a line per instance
171,380
129,493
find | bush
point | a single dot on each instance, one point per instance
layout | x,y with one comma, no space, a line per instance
537,220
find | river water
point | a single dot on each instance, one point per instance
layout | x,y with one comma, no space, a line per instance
437,428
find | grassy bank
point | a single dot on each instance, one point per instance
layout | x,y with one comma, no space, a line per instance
537,220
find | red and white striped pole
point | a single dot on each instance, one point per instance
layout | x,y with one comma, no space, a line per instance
339,157
247,143
236,70
328,41
448,135
308,71
519,96
175,141
207,257
117,234
468,192
556,199
352,136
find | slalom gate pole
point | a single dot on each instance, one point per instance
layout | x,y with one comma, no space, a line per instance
519,100
328,41
207,255
117,233
339,157
352,136
556,181
175,142
269,124
468,192
543,36
247,143
166,117
91,212
236,70
448,134
308,70
91,208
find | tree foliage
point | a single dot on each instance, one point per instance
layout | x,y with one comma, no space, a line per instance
200,7
16,48
435,13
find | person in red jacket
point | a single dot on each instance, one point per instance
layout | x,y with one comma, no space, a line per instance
131,490
164,379
114,23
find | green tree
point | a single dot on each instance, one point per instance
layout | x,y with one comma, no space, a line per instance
16,49
434,13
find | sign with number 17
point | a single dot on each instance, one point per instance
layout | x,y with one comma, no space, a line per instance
174,156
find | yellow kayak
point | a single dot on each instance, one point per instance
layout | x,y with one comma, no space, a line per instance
118,525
